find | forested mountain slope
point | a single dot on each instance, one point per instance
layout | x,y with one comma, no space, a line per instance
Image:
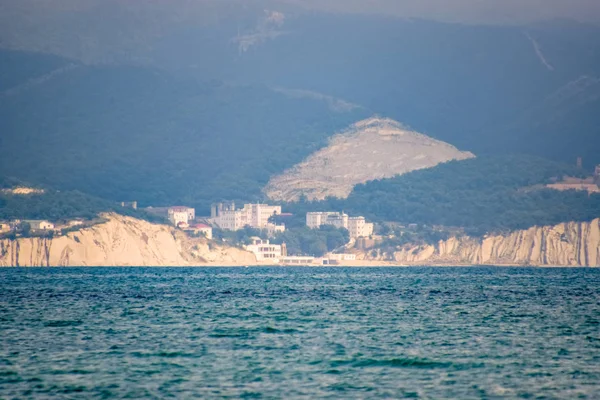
496,89
131,133
482,195
482,88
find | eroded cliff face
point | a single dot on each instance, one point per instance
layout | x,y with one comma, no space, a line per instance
121,241
570,244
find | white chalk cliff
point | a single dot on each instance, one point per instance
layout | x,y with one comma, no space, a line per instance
371,149
572,244
121,241
124,241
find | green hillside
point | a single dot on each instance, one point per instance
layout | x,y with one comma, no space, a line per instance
125,133
54,205
487,194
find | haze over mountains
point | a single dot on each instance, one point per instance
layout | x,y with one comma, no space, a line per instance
204,101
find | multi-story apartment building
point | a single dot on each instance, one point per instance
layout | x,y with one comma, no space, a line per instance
357,226
265,251
316,219
225,216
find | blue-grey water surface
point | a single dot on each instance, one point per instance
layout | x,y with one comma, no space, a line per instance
342,333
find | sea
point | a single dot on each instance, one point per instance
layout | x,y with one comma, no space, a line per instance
299,333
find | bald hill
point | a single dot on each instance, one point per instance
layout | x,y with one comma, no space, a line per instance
371,149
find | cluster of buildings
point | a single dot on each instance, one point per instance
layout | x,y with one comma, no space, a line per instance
225,216
183,218
357,226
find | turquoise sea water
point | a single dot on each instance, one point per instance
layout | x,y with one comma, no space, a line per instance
377,333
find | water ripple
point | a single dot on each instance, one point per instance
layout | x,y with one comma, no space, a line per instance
152,333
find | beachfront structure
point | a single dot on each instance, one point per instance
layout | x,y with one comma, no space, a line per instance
265,251
225,216
340,257
357,226
298,260
181,216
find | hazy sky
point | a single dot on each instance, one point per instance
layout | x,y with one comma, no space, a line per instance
498,11
471,11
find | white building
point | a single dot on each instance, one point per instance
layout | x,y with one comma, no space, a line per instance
265,251
40,225
357,226
202,229
181,216
225,216
298,260
340,257
317,219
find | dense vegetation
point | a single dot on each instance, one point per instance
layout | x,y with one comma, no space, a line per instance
482,195
312,242
124,133
60,206
299,240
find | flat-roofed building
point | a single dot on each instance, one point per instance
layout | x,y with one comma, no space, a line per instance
181,216
298,260
225,216
265,251
40,225
202,229
356,226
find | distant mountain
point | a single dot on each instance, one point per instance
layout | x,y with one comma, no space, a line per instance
486,89
133,133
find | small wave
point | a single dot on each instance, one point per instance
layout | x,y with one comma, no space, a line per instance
62,323
270,329
163,354
229,335
393,362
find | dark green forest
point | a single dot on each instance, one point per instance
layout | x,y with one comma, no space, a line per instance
127,133
55,206
487,194
481,88
312,242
